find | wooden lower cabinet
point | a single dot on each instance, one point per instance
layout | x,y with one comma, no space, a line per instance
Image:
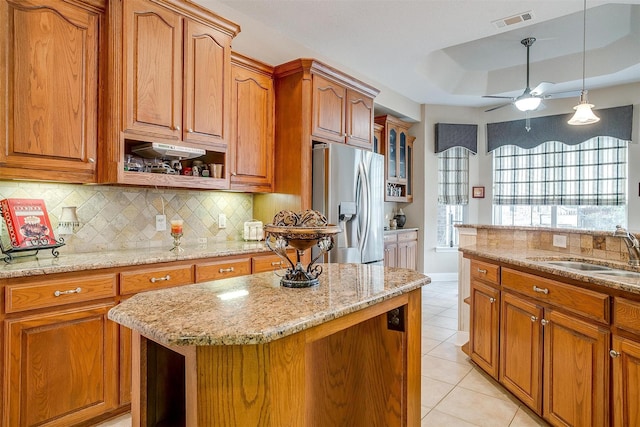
626,382
390,250
61,367
483,337
401,249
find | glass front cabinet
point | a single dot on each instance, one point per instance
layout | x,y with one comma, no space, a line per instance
397,146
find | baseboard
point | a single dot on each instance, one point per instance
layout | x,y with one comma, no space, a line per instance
443,277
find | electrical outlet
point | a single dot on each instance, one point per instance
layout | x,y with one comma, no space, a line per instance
222,221
161,223
559,241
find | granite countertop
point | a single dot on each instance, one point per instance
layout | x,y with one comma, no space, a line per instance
400,230
256,309
45,263
535,259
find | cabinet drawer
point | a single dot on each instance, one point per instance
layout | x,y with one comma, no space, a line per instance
485,272
266,263
54,292
390,237
626,314
407,236
223,269
155,278
582,301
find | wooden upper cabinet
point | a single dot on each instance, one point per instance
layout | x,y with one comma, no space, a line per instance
252,141
359,119
152,69
329,100
207,68
49,123
397,147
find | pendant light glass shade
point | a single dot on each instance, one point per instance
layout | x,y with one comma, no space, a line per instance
528,104
583,114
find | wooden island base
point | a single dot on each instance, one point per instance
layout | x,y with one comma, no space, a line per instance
356,370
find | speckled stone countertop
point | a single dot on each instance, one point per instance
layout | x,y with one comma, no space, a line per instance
256,309
535,259
400,230
45,263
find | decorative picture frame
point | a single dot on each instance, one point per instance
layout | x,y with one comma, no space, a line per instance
477,192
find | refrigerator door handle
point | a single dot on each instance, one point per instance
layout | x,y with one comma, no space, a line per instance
364,206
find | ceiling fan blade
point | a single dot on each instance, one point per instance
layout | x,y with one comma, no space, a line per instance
541,88
495,108
499,97
567,94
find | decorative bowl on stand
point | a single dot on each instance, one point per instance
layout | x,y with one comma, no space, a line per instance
301,232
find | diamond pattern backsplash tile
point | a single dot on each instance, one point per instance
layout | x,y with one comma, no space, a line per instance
114,217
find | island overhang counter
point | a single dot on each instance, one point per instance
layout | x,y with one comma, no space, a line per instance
247,351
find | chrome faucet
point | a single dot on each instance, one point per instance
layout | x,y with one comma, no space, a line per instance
633,245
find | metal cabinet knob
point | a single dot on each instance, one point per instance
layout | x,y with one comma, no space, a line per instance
177,128
92,160
540,290
481,271
492,300
614,353
534,319
160,279
544,322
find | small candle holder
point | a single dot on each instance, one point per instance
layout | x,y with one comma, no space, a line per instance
176,233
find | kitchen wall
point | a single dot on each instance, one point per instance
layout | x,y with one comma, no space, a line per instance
116,217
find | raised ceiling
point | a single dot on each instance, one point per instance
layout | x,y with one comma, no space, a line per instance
449,51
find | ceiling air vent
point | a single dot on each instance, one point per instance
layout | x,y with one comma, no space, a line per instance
512,20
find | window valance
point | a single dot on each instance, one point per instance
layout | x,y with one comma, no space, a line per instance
454,135
614,122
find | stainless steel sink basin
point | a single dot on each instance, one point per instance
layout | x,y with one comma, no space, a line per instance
578,265
620,273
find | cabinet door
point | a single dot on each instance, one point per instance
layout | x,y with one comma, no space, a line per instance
407,252
207,67
359,120
392,154
409,192
61,367
328,114
521,349
402,155
252,145
50,61
626,382
152,69
576,371
483,336
390,255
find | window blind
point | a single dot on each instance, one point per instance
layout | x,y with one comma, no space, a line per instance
453,176
591,173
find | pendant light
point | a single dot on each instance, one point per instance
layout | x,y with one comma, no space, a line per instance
583,114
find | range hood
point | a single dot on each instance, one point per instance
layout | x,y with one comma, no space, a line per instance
160,150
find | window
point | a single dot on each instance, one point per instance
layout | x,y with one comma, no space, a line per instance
453,193
559,185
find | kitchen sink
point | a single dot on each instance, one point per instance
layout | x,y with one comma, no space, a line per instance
578,265
620,273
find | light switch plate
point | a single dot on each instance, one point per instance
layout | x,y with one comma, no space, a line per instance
559,241
161,223
222,221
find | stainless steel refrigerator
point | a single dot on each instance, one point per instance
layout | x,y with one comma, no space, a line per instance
348,187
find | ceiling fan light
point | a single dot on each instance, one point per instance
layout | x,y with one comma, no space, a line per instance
583,115
528,104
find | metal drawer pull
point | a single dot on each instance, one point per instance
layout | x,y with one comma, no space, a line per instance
225,270
70,291
274,263
614,353
540,290
160,279
534,319
482,271
492,300
545,322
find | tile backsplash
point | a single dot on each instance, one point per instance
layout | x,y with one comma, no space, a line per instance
117,217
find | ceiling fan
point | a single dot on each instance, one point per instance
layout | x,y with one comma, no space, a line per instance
531,98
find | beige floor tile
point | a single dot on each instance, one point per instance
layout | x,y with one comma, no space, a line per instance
444,370
436,332
478,408
450,312
449,351
429,344
121,421
433,391
525,418
477,380
424,410
436,418
431,310
459,338
443,322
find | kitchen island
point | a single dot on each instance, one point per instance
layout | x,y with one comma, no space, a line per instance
246,351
